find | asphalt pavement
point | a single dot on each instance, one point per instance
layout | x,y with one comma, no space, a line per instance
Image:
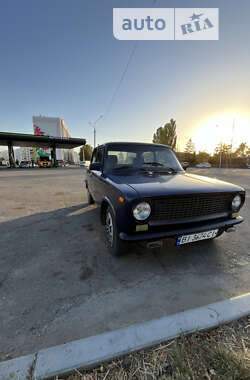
59,283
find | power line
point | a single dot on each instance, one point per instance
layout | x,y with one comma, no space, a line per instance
131,54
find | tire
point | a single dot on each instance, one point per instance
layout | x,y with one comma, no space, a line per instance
90,198
115,244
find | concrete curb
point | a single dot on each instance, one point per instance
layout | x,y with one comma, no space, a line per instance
89,352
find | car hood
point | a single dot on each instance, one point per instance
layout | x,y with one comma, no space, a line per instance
181,183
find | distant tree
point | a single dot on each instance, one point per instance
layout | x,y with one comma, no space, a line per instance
1,159
190,155
225,152
166,135
17,162
86,152
243,150
190,147
203,156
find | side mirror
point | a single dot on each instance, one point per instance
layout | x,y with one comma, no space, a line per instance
97,166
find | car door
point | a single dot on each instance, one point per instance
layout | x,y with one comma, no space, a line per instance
95,182
90,172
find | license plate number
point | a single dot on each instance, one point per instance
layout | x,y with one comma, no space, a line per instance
184,239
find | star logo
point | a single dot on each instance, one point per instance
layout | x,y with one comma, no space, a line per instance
37,131
196,17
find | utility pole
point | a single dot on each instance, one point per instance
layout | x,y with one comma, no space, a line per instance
233,127
217,126
94,129
220,155
94,137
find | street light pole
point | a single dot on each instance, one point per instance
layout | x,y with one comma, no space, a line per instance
220,155
94,129
94,137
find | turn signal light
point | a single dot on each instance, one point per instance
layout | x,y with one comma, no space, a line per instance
235,214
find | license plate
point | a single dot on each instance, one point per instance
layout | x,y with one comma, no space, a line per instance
184,239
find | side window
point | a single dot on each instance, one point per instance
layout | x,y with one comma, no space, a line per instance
93,159
99,155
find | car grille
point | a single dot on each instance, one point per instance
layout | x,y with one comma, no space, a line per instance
189,206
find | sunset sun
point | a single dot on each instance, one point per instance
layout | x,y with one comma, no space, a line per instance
228,129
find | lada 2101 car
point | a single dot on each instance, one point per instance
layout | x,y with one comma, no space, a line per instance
145,195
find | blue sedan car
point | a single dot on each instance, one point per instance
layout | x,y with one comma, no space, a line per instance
145,195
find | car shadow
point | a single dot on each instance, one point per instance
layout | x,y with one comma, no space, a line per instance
75,235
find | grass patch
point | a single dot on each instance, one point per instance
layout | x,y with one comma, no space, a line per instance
221,353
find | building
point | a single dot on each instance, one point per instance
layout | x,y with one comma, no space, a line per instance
17,153
55,127
4,154
76,158
26,154
20,154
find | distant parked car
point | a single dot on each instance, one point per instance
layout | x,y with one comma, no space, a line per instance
82,163
60,163
44,164
25,164
204,165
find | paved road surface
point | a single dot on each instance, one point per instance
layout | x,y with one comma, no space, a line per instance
59,283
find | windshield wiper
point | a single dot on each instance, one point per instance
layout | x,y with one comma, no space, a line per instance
153,163
163,170
123,167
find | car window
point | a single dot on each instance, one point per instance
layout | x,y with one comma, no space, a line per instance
97,155
140,156
93,159
125,158
148,156
165,157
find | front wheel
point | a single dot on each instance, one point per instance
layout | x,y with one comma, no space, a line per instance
115,244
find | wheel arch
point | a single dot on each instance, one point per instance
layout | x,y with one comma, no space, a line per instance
104,205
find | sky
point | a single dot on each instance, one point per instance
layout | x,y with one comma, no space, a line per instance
59,58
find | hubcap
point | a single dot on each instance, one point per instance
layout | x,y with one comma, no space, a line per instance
109,228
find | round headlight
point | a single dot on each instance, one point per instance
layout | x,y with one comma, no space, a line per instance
142,211
236,202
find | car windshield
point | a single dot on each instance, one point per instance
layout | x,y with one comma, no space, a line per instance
153,157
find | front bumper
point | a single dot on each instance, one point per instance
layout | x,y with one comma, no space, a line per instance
140,236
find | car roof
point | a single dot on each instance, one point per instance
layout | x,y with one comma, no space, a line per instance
133,143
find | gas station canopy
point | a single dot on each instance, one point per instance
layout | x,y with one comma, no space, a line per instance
19,139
